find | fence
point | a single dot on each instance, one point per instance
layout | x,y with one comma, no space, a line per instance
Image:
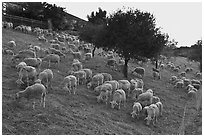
16,20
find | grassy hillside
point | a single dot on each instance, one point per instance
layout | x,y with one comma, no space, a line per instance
80,113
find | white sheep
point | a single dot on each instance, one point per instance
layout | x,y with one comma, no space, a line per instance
97,80
57,52
194,81
55,46
88,56
114,83
160,106
197,86
52,58
70,83
152,114
183,74
77,66
173,79
81,76
186,82
156,75
11,44
179,84
105,93
125,85
76,55
118,97
88,74
8,52
198,75
45,77
192,94
137,108
107,77
34,62
136,92
24,54
27,72
20,66
155,99
145,98
139,70
34,92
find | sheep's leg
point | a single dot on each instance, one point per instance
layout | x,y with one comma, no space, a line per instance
34,104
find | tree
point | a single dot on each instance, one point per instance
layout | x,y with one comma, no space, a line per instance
97,18
196,53
132,34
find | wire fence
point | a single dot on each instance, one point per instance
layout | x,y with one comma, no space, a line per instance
16,20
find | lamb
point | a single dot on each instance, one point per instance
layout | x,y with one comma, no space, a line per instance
88,74
52,58
88,56
45,77
77,66
70,83
20,66
153,113
137,108
34,62
105,93
139,70
28,72
107,77
97,80
81,76
33,92
156,75
11,44
125,85
118,97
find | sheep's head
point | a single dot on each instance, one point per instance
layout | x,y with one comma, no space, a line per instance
133,114
113,104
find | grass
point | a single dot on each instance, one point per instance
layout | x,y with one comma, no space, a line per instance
80,113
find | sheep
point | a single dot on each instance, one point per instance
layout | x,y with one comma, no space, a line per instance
155,99
198,75
179,84
176,69
145,98
136,92
88,56
8,52
183,74
28,72
187,70
76,55
118,97
173,79
81,76
156,75
197,86
24,54
55,46
153,113
34,62
88,74
20,66
70,83
125,85
105,93
57,52
137,108
11,44
52,58
139,70
97,80
45,77
162,66
133,84
191,94
77,66
140,83
107,77
114,83
194,81
186,82
33,92
160,106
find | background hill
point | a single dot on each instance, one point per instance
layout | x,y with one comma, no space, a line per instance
80,113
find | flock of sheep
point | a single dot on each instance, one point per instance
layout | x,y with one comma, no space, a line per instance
109,91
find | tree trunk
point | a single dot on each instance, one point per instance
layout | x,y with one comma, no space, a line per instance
93,51
125,69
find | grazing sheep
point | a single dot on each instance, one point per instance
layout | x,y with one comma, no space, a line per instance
34,92
152,114
27,72
197,86
77,66
45,77
145,98
179,84
137,108
114,83
81,76
88,56
136,92
88,74
156,75
34,62
107,77
118,97
57,52
70,83
155,99
24,54
52,58
97,80
125,85
105,93
20,66
11,44
186,82
139,70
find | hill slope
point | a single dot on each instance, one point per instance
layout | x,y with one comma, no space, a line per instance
80,113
